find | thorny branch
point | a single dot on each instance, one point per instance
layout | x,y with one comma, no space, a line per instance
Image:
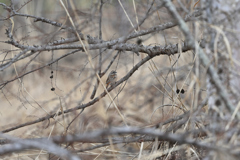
192,128
93,43
168,50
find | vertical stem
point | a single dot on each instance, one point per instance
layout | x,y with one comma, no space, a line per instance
100,37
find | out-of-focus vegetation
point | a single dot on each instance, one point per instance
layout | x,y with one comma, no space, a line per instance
168,102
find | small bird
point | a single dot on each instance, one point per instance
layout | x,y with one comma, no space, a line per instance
112,77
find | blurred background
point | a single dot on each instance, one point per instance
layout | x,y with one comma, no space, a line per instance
161,89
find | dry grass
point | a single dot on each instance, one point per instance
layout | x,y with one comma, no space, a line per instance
156,122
